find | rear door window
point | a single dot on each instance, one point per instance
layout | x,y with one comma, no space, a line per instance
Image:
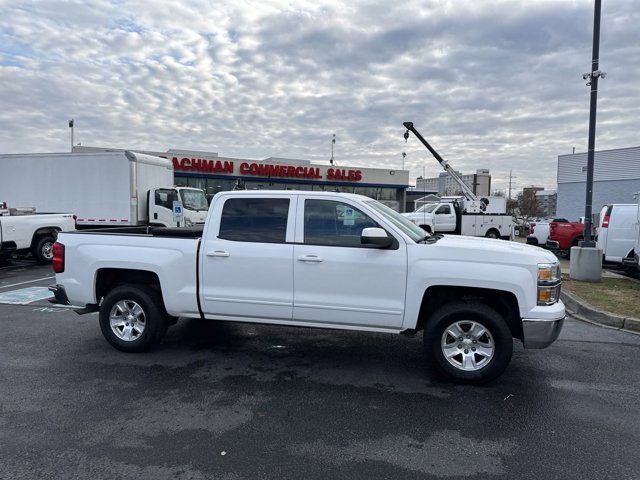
254,220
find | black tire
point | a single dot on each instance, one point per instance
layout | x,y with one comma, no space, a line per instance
155,317
42,250
493,233
492,321
426,228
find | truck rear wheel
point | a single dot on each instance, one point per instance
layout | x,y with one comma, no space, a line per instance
468,342
43,249
132,318
493,233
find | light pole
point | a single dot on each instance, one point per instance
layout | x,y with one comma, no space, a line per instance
71,127
333,142
586,259
404,155
593,83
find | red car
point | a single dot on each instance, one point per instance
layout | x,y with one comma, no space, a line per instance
564,234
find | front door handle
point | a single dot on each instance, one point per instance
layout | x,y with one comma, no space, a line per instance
310,258
218,253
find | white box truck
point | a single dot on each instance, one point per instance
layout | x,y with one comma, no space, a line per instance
103,189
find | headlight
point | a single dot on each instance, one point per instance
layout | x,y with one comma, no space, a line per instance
549,272
549,281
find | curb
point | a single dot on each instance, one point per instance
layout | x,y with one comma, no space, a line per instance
583,311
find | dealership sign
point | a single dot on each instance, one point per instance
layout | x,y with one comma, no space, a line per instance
262,169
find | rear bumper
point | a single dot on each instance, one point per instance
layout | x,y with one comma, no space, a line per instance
60,295
538,333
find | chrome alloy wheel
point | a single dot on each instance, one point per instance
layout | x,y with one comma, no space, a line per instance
127,320
47,250
467,345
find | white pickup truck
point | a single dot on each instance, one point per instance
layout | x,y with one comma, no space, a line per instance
450,217
24,231
318,259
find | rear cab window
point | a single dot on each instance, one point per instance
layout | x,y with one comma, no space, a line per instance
255,219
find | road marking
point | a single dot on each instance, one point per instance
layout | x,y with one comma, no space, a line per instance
28,281
24,296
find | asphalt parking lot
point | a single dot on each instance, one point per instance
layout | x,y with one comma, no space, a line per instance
238,401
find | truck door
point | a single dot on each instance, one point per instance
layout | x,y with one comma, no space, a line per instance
161,206
337,279
246,263
445,218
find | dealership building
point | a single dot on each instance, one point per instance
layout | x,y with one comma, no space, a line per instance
213,174
616,179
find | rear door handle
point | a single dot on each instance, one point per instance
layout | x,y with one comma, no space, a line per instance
310,258
218,253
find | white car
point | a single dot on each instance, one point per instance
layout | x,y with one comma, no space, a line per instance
617,232
318,259
26,231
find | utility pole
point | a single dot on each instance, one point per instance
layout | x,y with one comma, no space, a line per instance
510,177
71,127
404,154
593,83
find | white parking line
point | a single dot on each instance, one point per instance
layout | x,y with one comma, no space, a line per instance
28,281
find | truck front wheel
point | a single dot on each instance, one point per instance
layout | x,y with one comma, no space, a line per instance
132,318
468,342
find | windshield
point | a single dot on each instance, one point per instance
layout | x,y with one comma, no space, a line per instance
428,208
194,200
408,228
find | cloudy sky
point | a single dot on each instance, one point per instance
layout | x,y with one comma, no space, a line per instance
492,84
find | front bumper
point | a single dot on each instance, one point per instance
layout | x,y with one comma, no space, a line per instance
539,333
552,245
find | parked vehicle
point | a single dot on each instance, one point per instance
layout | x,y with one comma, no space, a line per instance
539,231
464,215
452,217
106,189
317,259
618,233
23,231
563,235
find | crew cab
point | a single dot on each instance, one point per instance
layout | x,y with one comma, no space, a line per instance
22,230
318,259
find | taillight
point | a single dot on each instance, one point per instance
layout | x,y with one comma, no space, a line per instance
605,221
532,227
58,258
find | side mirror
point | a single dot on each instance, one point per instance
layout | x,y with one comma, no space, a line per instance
376,238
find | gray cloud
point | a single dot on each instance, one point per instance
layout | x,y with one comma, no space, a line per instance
492,84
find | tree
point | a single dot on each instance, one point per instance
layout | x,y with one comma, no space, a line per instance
528,207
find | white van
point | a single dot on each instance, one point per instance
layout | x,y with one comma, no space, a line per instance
617,231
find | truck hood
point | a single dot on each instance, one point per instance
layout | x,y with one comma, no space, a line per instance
491,251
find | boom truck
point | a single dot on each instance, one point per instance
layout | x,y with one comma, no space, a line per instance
103,189
464,215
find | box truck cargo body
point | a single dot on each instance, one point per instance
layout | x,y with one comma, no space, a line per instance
101,189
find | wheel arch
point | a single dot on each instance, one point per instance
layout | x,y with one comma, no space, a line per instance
504,302
107,279
43,231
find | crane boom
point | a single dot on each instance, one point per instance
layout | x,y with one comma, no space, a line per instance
468,193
